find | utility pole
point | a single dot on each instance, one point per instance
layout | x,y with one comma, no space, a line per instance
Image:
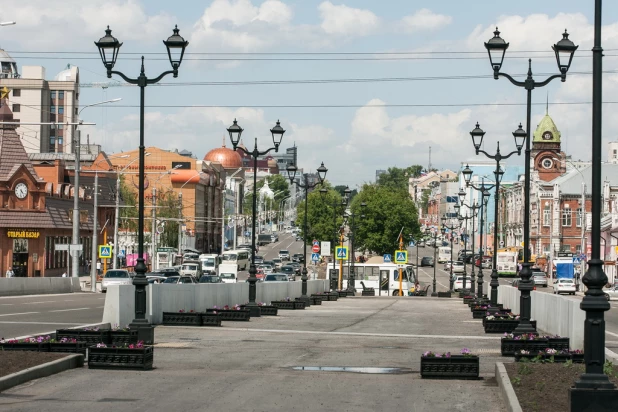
400,269
93,266
116,220
153,232
180,223
76,218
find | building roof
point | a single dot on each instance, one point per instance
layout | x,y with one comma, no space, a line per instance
228,158
571,182
56,216
546,131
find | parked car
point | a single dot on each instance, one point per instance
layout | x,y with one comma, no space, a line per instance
298,257
458,284
539,277
458,266
154,278
427,261
277,277
180,280
284,254
612,292
288,270
563,285
115,277
210,279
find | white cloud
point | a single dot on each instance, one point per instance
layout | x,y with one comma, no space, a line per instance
347,21
425,19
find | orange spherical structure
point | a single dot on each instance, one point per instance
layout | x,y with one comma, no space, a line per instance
228,158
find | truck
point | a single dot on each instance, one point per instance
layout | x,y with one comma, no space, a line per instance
264,239
228,273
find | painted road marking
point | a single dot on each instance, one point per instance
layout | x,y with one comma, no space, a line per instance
23,313
37,303
40,323
68,310
612,333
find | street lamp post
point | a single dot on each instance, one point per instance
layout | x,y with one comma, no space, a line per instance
564,51
477,140
451,228
482,206
351,217
292,170
594,387
338,207
435,247
235,131
109,47
474,213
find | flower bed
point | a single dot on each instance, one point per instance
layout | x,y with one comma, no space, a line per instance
306,301
265,310
29,344
210,319
133,356
342,293
119,336
288,304
236,314
502,325
333,296
547,355
510,344
368,292
320,296
88,335
181,318
464,366
315,300
66,345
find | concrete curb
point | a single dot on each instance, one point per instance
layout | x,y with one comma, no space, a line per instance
508,393
41,371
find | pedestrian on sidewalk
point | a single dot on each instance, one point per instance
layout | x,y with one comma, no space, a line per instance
98,267
64,275
10,273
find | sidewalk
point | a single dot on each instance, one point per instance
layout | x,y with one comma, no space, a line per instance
248,366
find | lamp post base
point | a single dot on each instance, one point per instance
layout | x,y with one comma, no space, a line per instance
145,331
254,310
601,400
434,294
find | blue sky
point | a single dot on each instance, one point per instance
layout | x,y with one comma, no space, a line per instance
402,39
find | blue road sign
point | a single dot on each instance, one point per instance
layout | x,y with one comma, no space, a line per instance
341,253
401,256
315,257
412,244
388,258
105,252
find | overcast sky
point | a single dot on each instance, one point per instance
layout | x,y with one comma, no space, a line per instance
431,53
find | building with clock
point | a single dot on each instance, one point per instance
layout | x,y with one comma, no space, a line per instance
547,155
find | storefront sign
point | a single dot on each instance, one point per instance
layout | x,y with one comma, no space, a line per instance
22,234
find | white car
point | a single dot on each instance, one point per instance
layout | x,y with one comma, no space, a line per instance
447,265
458,266
115,277
611,293
458,285
564,286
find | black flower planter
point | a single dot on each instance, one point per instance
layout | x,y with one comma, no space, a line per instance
34,347
350,292
315,300
368,292
120,337
332,297
268,310
543,357
498,317
444,294
509,347
182,319
343,294
478,314
120,358
68,347
288,305
242,315
489,308
210,319
559,343
319,296
503,326
577,357
88,336
479,302
306,301
457,366
467,300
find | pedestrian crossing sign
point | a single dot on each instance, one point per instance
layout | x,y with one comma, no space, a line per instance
341,253
105,252
401,257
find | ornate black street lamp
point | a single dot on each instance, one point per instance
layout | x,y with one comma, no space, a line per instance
338,208
564,50
588,390
484,189
235,131
435,248
291,170
109,46
477,139
451,228
349,219
474,213
464,221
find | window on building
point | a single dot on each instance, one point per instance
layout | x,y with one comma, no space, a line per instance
546,215
546,248
16,92
566,218
61,110
52,109
615,153
578,218
60,140
566,248
52,95
16,108
60,95
578,249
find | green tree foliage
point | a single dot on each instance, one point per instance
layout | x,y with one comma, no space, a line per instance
167,207
387,212
128,214
397,179
324,216
341,190
277,183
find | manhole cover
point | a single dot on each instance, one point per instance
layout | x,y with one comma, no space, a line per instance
352,369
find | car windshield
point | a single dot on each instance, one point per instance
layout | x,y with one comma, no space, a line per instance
284,252
279,278
227,276
566,281
231,257
209,279
287,269
116,274
171,280
208,262
189,267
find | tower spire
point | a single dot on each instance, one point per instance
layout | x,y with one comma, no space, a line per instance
547,104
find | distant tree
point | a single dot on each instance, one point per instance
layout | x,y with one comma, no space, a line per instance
322,219
341,190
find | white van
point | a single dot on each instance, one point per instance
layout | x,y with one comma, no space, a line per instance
210,264
228,273
191,268
239,257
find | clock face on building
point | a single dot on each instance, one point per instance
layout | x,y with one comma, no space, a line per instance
21,190
547,163
547,136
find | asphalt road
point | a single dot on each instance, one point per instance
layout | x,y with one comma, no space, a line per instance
35,314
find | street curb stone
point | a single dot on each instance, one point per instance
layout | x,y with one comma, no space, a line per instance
41,371
508,393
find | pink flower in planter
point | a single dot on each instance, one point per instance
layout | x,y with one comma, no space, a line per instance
226,307
181,311
101,345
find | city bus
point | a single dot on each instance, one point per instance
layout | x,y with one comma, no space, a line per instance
383,277
444,254
239,257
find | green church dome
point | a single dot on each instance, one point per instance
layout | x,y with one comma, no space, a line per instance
546,131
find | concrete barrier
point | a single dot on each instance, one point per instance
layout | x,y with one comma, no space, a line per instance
38,286
554,314
120,300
